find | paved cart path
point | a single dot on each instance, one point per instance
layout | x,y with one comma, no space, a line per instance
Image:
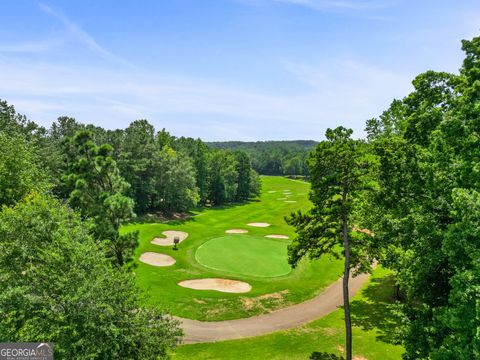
292,316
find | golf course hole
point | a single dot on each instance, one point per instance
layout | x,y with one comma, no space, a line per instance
275,236
245,255
259,224
223,285
169,236
236,231
156,259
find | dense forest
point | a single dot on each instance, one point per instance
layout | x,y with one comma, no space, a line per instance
273,157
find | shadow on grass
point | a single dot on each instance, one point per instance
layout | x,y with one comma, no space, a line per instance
378,310
182,218
325,356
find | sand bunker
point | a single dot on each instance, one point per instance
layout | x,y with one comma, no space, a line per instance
169,236
223,285
156,259
259,224
236,231
274,236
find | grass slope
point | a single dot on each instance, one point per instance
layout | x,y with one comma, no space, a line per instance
245,255
160,284
374,322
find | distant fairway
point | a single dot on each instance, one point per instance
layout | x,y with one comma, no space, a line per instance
245,255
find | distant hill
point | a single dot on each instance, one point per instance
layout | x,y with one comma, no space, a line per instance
247,145
273,157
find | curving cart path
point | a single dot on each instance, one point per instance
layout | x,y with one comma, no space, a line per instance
292,316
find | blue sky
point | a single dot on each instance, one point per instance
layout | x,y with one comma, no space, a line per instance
225,69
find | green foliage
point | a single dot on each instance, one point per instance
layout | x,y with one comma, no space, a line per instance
20,170
98,193
338,172
243,169
57,286
175,184
136,162
425,212
273,157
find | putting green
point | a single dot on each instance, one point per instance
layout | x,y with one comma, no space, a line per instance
245,255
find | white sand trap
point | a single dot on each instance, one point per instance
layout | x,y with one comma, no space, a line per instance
290,201
274,236
156,259
259,224
169,236
223,285
236,231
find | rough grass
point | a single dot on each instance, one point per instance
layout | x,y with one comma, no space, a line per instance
374,325
245,255
160,284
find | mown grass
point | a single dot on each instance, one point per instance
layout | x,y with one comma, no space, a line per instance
374,324
160,284
245,255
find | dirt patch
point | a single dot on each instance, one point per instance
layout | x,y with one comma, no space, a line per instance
236,231
169,236
275,236
198,301
222,285
358,357
276,298
259,224
364,231
329,331
156,259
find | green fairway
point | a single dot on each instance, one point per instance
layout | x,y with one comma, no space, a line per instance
245,255
374,319
160,284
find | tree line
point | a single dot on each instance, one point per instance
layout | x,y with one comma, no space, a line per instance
408,197
274,157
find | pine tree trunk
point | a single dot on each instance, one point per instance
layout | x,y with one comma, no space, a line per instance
346,299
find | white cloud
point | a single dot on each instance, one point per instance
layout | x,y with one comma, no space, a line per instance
31,47
82,36
333,93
